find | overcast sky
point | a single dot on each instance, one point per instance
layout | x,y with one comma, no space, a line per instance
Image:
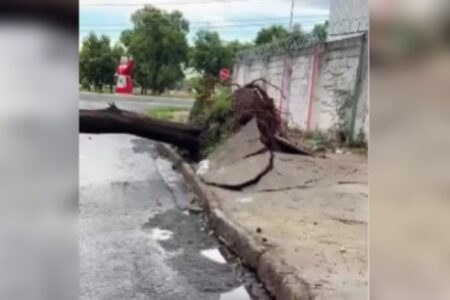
233,19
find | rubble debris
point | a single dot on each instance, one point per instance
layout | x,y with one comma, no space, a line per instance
203,167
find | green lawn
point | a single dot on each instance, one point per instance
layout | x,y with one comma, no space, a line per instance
176,114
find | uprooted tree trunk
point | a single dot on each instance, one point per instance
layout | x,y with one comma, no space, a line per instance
249,101
115,120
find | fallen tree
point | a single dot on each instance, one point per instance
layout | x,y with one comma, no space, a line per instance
114,120
249,101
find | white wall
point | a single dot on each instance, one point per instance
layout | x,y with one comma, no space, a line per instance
331,90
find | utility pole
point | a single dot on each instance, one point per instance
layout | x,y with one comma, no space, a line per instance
283,76
292,15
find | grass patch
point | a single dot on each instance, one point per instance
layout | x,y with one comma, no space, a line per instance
188,96
215,115
168,113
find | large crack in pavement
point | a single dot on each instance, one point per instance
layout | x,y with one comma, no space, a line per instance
253,180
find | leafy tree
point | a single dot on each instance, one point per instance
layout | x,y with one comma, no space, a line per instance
97,62
297,30
235,46
85,85
159,46
209,53
320,32
271,34
125,37
89,58
299,33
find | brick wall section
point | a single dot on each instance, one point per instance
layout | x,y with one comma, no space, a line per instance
330,90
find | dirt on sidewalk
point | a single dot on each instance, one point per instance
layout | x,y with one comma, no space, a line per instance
302,225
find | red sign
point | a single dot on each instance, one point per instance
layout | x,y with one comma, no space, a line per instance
224,74
124,84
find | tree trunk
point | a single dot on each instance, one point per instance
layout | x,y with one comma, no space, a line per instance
114,120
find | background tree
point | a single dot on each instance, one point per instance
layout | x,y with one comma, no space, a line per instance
209,54
235,46
207,57
98,62
299,33
89,61
320,32
271,34
159,46
125,37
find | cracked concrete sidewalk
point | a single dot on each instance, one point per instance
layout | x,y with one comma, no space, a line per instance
302,226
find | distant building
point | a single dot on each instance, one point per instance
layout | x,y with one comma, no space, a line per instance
348,18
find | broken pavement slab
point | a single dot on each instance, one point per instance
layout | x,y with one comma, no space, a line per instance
241,173
225,168
245,143
302,226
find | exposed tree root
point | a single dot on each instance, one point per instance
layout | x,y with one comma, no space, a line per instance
252,101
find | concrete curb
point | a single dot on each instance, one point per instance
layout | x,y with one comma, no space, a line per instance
279,278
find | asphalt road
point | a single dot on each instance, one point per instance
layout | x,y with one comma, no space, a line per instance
137,238
133,103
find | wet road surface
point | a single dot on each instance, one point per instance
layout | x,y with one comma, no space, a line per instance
137,238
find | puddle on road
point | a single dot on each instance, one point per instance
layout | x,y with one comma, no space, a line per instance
214,255
160,234
237,294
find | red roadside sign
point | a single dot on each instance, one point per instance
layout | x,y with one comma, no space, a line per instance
224,74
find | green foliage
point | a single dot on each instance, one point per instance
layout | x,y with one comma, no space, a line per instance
85,85
271,34
215,115
164,113
125,37
236,46
192,84
159,46
297,29
320,32
221,107
98,61
209,54
198,113
233,48
218,119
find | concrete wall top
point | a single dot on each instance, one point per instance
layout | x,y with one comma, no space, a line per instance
293,47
